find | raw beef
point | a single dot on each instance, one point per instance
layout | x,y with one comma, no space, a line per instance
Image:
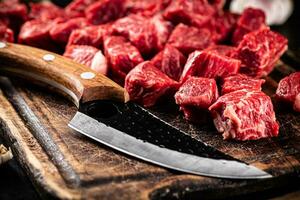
140,31
188,39
76,8
146,7
89,56
191,12
209,65
45,11
90,35
121,56
6,34
60,32
170,61
223,50
259,51
245,115
289,90
218,4
251,20
147,85
240,82
195,96
163,30
105,11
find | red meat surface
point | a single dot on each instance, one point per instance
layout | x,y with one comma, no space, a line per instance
146,7
6,34
90,35
209,65
77,7
89,56
188,39
121,56
195,96
140,31
288,90
170,61
45,11
223,50
61,31
240,82
191,12
245,115
147,85
252,19
218,4
105,11
259,51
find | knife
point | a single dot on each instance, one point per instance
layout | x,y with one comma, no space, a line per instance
105,115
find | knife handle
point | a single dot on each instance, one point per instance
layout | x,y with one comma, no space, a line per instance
80,83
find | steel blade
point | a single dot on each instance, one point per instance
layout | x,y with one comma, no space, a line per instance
162,156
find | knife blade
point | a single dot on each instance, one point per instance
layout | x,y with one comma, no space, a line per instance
105,116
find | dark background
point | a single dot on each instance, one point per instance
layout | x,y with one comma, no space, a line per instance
15,185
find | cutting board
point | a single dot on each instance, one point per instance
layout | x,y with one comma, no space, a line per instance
107,174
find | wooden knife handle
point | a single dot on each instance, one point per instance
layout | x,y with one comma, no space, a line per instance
77,81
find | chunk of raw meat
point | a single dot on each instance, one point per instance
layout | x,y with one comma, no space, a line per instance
245,115
90,35
223,50
209,65
195,96
252,19
147,85
36,33
191,12
240,82
121,56
60,32
77,7
218,4
170,61
288,90
146,7
6,34
188,39
89,56
259,51
139,30
45,11
222,26
163,30
105,11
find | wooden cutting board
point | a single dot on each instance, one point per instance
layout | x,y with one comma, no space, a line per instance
107,174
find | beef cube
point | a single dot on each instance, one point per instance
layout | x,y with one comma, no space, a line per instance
6,34
252,19
222,25
170,61
90,35
105,11
259,51
36,33
209,65
188,39
61,31
191,12
195,96
139,31
89,56
240,82
245,115
288,90
121,56
45,11
147,85
146,7
76,8
223,50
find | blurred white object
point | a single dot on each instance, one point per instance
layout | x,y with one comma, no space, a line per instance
277,11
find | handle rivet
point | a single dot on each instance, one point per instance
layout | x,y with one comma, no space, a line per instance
2,45
87,75
48,57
